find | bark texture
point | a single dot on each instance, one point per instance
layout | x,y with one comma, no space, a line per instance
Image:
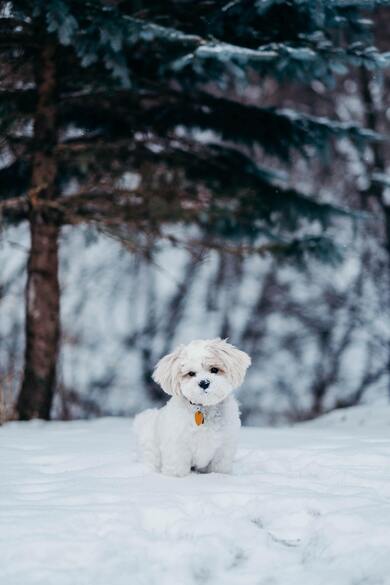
42,291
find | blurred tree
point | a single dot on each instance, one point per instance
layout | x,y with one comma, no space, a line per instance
138,114
374,88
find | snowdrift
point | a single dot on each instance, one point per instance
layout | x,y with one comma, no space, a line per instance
306,505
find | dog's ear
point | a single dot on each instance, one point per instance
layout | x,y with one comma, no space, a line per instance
236,362
166,372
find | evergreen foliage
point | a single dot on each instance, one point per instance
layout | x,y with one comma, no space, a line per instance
156,89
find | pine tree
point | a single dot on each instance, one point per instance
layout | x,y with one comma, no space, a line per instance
91,91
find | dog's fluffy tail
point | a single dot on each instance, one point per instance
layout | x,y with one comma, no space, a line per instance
144,428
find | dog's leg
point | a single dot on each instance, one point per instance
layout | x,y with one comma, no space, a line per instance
222,462
174,463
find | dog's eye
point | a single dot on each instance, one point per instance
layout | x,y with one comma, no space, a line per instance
214,370
192,374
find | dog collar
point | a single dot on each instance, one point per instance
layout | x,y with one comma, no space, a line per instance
198,414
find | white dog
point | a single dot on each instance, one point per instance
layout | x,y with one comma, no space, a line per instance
198,427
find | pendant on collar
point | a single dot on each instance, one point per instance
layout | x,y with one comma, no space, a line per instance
199,417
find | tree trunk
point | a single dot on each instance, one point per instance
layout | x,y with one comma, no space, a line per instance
42,291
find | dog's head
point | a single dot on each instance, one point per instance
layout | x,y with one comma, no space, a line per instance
204,371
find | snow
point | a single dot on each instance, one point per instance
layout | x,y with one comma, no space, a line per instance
306,504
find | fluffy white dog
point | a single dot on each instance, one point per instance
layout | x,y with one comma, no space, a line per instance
198,427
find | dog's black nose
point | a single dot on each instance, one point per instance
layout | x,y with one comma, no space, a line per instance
204,384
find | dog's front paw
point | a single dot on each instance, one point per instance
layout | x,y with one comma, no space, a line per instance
221,468
222,463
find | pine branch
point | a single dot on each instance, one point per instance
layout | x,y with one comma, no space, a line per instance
279,132
251,24
18,39
13,210
255,195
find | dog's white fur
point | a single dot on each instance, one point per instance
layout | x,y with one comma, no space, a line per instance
169,438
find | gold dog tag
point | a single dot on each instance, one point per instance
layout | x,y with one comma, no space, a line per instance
199,418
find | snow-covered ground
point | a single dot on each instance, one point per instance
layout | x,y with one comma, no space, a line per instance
308,505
